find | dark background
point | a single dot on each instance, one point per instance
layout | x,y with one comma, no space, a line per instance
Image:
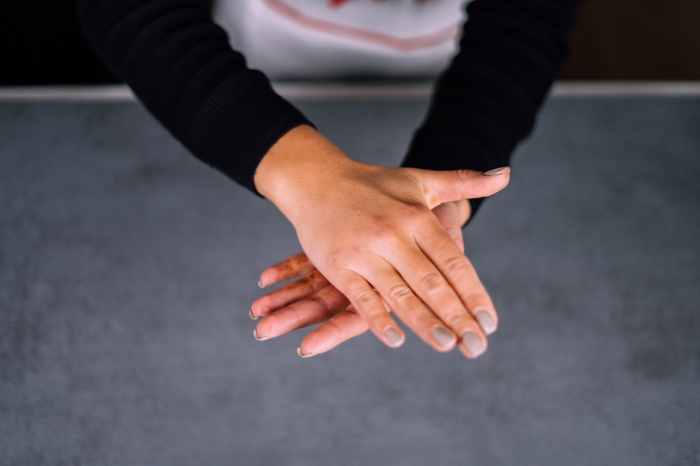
40,43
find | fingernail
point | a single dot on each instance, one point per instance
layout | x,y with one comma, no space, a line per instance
250,313
255,334
473,344
260,284
486,322
394,337
444,337
305,355
497,171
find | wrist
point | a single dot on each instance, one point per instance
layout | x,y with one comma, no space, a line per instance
301,161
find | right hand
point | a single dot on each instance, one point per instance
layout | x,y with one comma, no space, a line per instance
370,231
312,300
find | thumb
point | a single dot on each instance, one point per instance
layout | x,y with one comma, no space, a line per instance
448,186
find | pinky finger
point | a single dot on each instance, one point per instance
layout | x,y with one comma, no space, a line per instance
338,329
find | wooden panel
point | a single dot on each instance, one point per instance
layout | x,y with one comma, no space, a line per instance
636,39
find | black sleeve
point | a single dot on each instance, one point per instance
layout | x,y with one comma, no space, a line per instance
179,63
486,101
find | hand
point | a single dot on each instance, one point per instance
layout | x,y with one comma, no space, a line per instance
312,300
370,231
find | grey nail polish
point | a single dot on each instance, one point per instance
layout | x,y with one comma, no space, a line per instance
443,336
304,355
473,344
394,337
486,322
497,171
255,334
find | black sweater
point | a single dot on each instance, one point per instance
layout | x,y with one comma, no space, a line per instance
180,64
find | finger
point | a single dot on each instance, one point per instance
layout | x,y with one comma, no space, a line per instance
293,266
369,306
446,186
338,329
295,291
408,307
448,214
458,271
465,211
429,284
310,311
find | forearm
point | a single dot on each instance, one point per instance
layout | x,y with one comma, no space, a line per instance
487,100
179,63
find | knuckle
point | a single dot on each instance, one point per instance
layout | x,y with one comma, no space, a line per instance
463,175
424,319
302,284
455,318
320,301
288,318
338,258
399,293
316,277
455,265
337,329
377,226
333,298
365,299
415,213
432,283
384,236
287,295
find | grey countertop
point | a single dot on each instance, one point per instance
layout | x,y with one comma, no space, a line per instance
127,269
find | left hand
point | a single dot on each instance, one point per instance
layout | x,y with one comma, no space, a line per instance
312,299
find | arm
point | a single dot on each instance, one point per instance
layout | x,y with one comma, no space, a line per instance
180,65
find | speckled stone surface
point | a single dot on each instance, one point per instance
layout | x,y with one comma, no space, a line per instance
127,268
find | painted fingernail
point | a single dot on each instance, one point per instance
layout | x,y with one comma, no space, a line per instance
394,337
444,337
473,344
260,284
486,322
255,334
305,355
250,313
497,171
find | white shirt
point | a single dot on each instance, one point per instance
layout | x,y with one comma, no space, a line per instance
303,39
